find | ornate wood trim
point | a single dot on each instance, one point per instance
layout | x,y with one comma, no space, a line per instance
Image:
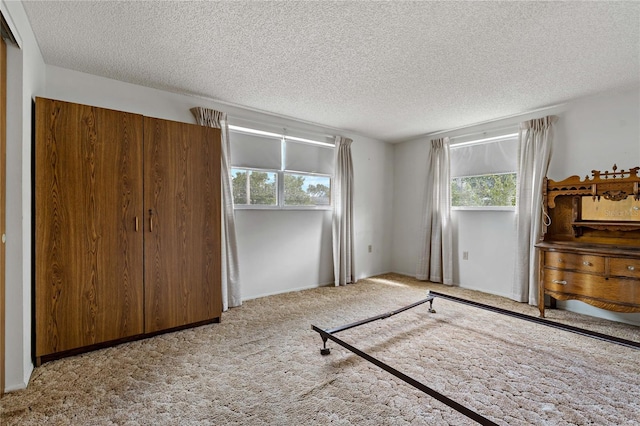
615,185
599,303
607,226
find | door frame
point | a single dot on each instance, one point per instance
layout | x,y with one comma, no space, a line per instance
3,192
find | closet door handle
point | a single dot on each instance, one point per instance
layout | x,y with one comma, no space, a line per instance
136,223
150,220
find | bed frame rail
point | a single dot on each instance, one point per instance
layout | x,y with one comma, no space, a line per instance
329,334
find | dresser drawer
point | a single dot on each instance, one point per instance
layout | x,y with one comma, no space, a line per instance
622,290
575,262
621,267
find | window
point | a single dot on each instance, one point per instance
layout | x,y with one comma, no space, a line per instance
306,190
484,173
497,190
270,170
254,187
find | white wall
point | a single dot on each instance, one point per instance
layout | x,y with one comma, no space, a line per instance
25,76
592,133
373,207
475,232
410,173
596,133
283,251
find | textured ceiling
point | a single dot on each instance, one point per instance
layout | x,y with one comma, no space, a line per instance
389,70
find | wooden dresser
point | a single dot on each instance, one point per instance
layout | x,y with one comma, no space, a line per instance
590,250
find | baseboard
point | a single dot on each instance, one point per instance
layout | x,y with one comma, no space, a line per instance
484,290
19,386
408,274
14,388
592,311
288,290
327,284
373,274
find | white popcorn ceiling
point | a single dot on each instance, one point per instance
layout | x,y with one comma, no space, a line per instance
388,70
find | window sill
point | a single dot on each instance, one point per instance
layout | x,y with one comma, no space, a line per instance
254,207
286,208
485,208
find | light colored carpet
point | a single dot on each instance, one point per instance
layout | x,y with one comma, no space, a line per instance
261,366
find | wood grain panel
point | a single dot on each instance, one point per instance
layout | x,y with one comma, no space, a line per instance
182,224
576,262
88,185
623,267
620,290
3,196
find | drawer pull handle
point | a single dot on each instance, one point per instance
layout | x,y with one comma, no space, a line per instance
586,263
560,282
631,268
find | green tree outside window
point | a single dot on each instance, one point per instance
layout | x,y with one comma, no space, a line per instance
261,189
486,190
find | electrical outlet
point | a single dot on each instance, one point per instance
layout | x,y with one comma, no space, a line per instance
370,248
465,255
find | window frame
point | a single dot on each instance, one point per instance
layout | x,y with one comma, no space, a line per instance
255,206
493,139
488,208
485,208
280,173
307,207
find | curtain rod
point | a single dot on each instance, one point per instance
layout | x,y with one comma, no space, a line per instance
279,116
338,132
284,128
442,132
484,132
283,135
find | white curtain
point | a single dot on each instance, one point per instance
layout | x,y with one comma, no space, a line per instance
230,270
436,258
343,255
536,137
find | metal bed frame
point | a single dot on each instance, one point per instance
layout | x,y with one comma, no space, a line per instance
329,334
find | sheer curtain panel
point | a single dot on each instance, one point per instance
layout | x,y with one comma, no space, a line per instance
536,138
230,269
343,255
436,258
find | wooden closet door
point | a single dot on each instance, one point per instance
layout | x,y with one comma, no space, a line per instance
182,224
88,236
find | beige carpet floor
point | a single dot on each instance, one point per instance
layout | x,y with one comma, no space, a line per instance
261,366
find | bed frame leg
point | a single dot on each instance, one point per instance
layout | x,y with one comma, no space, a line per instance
431,310
325,350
